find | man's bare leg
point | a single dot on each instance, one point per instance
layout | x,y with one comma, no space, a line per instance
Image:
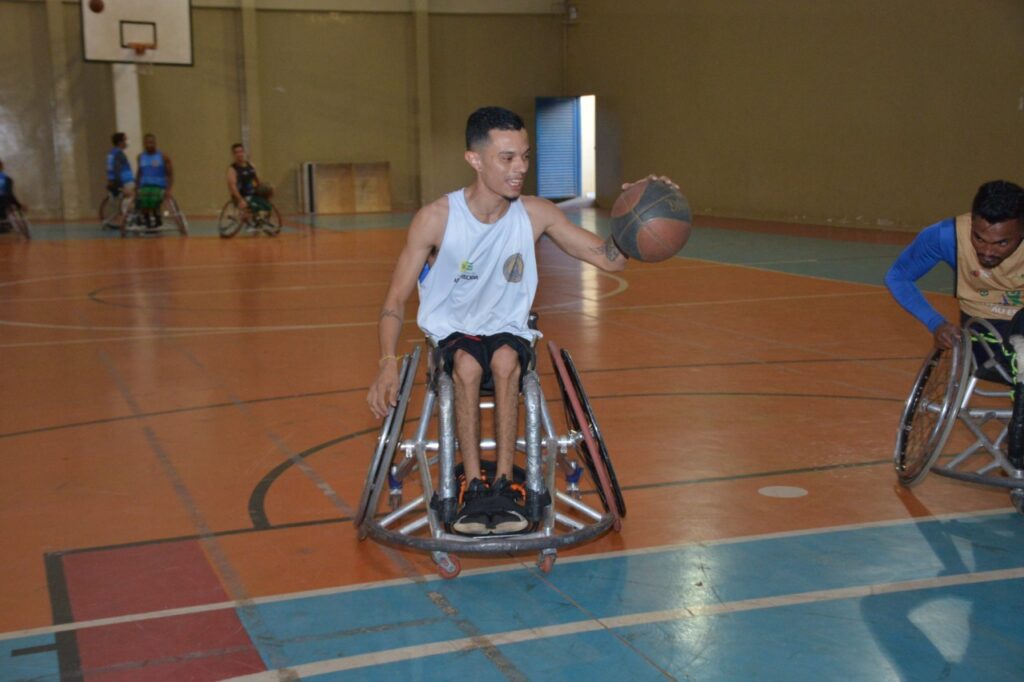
466,375
505,370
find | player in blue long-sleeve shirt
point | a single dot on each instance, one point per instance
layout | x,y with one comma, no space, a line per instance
7,198
982,247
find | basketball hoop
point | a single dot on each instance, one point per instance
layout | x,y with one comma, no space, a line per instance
144,67
140,48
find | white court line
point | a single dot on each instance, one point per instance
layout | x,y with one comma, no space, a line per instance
503,568
336,325
466,644
142,293
212,266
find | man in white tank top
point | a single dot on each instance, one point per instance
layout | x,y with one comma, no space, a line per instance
475,298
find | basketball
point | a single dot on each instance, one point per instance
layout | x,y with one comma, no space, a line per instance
651,221
96,5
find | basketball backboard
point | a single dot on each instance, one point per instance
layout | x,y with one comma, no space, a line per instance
137,31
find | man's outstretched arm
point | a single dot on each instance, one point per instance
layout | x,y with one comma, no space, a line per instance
934,244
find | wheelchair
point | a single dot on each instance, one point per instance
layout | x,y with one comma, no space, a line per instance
954,386
572,494
262,216
120,213
16,222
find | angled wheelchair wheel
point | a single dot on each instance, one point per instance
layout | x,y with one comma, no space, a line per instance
177,216
20,223
110,208
580,417
270,221
230,220
388,438
131,221
930,411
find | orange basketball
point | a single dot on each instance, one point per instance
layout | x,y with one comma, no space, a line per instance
651,221
96,5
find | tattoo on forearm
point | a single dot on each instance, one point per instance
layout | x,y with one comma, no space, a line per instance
611,251
388,312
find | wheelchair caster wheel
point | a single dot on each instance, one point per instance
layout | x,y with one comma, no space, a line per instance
448,565
545,562
1017,498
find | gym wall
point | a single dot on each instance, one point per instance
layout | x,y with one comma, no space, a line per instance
870,113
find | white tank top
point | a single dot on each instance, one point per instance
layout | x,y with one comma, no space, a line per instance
484,277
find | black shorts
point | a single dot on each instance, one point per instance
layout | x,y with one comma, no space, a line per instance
482,348
1003,352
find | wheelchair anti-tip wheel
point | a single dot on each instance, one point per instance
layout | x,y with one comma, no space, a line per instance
388,438
580,418
930,411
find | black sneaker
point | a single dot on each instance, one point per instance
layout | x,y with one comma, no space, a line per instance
507,513
473,517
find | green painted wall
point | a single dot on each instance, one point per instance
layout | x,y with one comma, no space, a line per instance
194,111
868,113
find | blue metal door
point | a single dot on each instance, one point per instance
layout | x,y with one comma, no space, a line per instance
558,147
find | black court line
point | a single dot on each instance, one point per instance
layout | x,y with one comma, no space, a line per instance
69,661
180,410
315,394
32,650
347,519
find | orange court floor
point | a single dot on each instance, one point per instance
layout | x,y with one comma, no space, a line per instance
184,426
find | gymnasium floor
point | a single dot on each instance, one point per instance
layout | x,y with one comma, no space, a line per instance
184,434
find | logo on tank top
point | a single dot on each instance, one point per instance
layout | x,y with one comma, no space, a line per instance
466,272
513,268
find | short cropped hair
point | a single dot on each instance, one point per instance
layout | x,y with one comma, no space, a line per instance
117,138
998,201
237,145
485,119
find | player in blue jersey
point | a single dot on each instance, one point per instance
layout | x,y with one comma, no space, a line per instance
982,248
156,176
7,198
120,179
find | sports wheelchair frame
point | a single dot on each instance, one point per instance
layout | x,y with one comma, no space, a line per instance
255,219
123,214
949,389
554,503
17,222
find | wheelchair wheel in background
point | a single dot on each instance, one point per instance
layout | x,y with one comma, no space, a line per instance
230,220
177,216
270,221
580,418
110,208
930,411
131,221
388,438
20,222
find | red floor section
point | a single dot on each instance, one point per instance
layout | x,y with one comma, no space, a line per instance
196,647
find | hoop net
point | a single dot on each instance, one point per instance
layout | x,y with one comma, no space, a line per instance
144,67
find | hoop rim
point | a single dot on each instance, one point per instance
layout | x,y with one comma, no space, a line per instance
140,48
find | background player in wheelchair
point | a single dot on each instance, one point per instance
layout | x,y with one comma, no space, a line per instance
982,247
10,208
475,294
155,179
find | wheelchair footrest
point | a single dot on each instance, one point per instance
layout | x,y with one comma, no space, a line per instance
536,503
446,508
